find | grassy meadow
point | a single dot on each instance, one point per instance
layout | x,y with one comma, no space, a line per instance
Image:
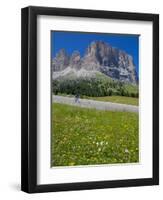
117,99
82,136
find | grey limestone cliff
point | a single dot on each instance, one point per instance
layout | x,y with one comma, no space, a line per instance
100,57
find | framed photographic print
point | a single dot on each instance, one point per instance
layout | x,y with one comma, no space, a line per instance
90,99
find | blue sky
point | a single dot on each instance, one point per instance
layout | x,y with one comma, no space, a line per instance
71,41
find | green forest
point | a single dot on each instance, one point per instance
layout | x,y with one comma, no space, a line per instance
94,87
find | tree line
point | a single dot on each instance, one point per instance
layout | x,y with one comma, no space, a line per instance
94,87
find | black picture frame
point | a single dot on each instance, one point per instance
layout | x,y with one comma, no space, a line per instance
29,99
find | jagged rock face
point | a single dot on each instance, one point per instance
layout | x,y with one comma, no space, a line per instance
100,57
61,61
91,59
75,60
100,52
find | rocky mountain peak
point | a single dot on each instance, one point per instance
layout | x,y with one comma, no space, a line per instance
75,60
98,49
101,57
61,61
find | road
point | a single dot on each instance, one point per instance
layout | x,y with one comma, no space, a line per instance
99,105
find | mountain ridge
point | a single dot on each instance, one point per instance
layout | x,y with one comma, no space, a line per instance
99,57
